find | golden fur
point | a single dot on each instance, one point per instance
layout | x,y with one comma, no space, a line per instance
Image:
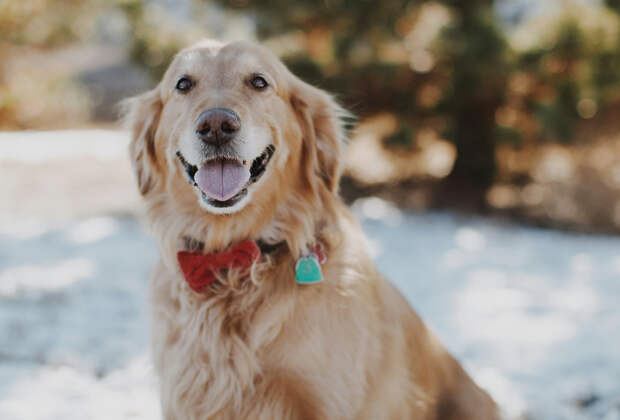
262,346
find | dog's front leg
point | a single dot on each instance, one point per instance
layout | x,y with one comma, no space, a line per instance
283,397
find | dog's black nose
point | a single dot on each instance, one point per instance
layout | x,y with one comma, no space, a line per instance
217,126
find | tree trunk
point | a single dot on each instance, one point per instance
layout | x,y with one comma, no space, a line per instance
474,170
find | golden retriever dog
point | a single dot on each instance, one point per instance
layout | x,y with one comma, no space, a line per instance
234,156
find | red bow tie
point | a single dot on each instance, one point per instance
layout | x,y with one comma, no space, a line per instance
200,269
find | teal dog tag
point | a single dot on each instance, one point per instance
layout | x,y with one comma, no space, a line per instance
308,270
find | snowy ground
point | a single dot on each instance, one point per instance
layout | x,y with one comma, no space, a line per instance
532,314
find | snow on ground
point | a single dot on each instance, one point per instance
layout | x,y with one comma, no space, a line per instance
531,313
74,323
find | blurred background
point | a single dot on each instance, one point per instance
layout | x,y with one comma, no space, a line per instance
484,165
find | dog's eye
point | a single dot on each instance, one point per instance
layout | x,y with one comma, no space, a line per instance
259,82
184,84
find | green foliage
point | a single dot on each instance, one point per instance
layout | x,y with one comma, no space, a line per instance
346,18
47,23
474,51
151,45
444,64
573,73
508,135
342,51
33,95
403,137
613,4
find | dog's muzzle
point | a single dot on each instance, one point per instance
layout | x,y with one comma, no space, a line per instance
224,182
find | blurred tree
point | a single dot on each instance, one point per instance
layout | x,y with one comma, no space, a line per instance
565,70
153,40
32,95
46,23
441,66
350,47
421,60
613,4
472,47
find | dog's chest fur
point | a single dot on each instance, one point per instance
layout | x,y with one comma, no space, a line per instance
219,356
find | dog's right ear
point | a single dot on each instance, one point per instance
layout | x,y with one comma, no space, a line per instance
142,115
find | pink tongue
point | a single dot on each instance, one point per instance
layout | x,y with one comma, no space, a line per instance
222,179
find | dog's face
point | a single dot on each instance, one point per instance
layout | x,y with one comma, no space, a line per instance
227,104
229,128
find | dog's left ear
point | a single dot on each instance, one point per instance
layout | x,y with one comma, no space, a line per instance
322,123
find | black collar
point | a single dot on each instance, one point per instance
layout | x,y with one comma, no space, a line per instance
192,244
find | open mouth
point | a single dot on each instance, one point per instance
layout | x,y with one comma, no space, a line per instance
224,182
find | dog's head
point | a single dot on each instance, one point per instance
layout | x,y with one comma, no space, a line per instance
229,137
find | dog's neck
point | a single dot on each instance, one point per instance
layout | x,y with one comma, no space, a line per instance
192,244
300,221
